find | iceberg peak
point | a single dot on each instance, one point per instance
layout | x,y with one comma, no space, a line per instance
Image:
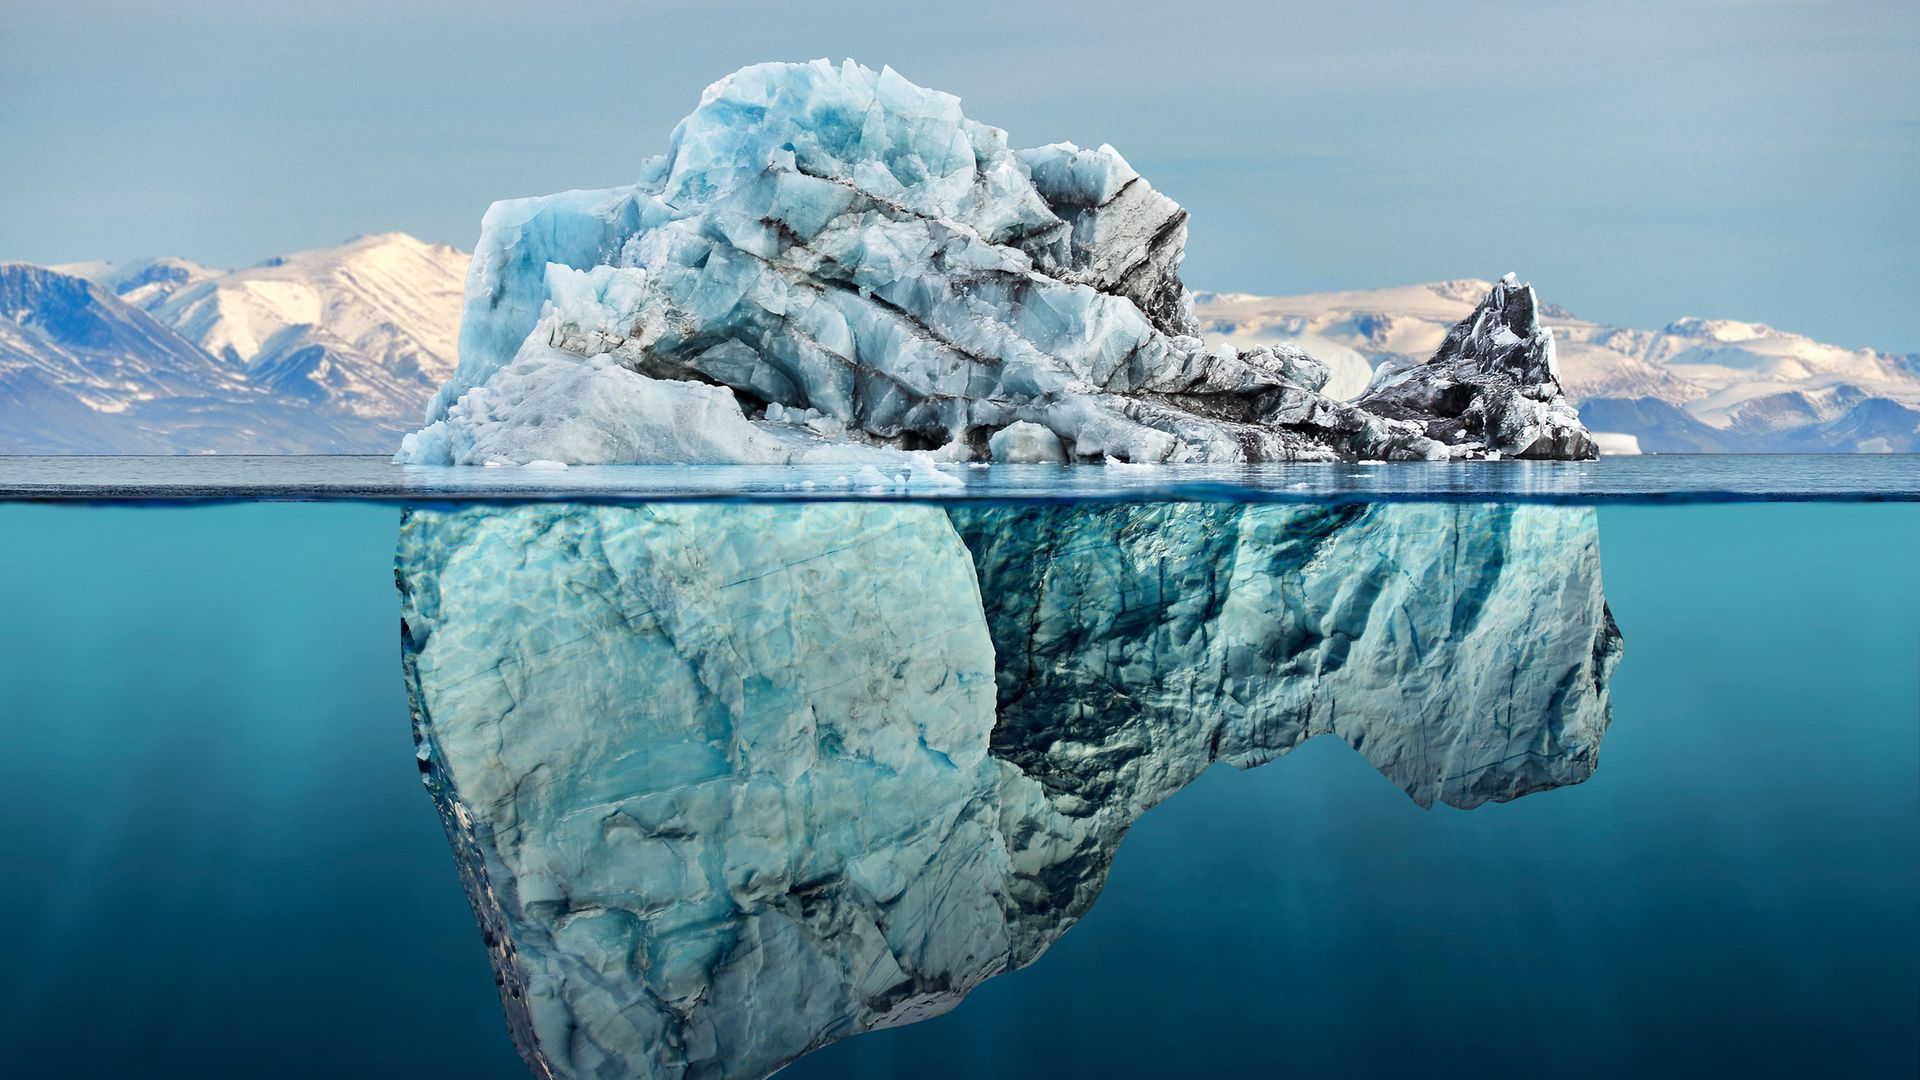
1493,384
835,240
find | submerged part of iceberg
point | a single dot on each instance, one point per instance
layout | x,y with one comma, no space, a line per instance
728,783
844,247
1195,631
719,791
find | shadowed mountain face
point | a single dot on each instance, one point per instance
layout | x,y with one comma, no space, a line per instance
82,372
327,351
727,783
76,365
1841,421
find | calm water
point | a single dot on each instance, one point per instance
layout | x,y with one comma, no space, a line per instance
1662,478
220,861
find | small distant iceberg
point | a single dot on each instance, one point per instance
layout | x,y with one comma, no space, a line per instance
834,264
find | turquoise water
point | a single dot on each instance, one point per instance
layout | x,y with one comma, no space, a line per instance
219,860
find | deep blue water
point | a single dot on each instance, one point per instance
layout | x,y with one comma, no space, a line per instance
218,859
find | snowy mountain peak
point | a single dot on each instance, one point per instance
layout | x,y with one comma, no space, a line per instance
142,282
366,324
74,318
331,349
367,249
76,361
1728,330
358,335
1467,291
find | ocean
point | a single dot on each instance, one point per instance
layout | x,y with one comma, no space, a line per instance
220,860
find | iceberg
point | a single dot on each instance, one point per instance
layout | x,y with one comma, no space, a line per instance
839,244
727,783
1492,384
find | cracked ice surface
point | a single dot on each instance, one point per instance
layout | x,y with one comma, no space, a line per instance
864,269
726,783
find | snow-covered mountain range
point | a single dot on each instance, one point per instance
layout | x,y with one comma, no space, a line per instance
338,350
329,351
1708,385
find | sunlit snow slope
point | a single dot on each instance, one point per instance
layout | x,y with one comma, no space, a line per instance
334,350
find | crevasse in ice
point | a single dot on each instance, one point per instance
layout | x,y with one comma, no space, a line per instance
831,261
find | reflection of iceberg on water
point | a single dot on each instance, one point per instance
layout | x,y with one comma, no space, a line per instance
729,782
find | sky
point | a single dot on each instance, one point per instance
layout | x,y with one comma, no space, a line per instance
1751,159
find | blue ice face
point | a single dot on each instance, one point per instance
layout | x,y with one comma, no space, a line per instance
728,782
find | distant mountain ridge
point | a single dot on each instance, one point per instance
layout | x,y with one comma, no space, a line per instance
338,350
1698,385
334,350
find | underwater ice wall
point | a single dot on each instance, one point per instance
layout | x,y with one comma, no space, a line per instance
833,263
726,783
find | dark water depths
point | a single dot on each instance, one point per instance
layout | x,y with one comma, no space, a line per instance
219,860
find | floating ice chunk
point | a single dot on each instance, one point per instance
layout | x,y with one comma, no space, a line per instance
1493,387
1021,441
1617,444
507,279
550,405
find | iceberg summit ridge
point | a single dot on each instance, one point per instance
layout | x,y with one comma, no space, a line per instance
832,263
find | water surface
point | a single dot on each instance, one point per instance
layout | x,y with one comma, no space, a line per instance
1663,478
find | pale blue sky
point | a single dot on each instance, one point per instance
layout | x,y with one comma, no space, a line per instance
1638,161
